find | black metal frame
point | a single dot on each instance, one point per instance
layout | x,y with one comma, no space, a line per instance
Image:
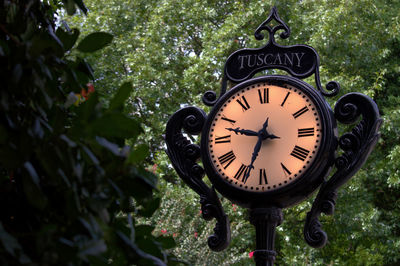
356,146
183,155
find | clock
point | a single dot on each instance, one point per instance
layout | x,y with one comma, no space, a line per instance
269,141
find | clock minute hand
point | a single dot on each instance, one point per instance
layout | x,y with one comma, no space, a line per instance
242,131
253,158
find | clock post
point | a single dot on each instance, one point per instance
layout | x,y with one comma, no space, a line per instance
269,142
265,220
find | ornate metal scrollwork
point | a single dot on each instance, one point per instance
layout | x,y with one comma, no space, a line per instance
266,26
210,97
332,87
183,155
356,146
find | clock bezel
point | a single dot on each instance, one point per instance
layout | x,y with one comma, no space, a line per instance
307,182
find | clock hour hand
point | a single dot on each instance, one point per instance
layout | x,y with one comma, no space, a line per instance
265,125
272,136
264,133
242,131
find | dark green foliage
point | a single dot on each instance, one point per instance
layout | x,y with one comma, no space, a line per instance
70,189
94,42
174,51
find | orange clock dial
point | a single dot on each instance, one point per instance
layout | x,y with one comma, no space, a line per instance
264,137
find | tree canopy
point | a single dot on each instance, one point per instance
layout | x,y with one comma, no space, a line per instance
174,51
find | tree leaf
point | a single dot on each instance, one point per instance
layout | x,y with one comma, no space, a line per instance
33,193
32,172
143,230
136,251
87,110
148,177
94,42
9,242
94,248
115,125
67,38
149,207
139,154
86,68
121,96
135,187
90,155
166,241
12,246
114,148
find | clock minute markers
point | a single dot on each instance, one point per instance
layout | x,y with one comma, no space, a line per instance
305,132
284,100
227,159
263,177
285,170
223,139
245,105
263,95
300,153
228,119
300,112
242,173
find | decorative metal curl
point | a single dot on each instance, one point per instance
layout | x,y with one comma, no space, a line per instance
183,155
210,97
332,87
273,15
356,146
314,235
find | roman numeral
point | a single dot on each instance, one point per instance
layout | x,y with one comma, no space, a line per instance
299,153
227,119
284,100
305,132
300,112
227,159
244,105
224,139
285,170
264,95
263,177
242,172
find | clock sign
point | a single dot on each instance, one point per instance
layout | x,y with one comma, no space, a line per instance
270,141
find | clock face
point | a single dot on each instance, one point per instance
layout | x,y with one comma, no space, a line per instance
263,137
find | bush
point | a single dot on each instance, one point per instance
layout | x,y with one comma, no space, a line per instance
70,189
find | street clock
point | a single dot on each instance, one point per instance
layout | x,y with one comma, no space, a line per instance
270,141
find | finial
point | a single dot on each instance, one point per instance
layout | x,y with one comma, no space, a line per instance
281,25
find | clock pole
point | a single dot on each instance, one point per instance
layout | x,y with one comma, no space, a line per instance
265,220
